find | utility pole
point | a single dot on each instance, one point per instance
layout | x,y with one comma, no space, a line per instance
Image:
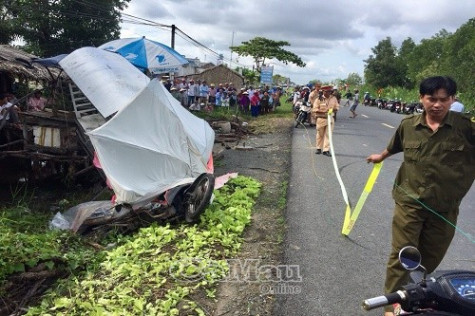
173,36
232,44
171,75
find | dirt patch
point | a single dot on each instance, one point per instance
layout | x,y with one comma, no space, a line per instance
267,159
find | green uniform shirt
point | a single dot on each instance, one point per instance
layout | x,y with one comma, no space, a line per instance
439,166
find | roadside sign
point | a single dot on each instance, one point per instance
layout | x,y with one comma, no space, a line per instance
266,74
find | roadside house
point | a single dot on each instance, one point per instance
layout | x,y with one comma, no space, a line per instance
220,74
48,142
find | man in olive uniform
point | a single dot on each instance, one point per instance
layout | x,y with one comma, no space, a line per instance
321,108
437,172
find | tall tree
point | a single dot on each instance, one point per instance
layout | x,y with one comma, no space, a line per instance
6,27
250,75
458,59
404,56
382,68
261,48
426,57
354,80
51,27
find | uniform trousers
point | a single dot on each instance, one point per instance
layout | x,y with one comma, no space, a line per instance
322,139
423,229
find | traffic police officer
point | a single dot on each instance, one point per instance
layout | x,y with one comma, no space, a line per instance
321,107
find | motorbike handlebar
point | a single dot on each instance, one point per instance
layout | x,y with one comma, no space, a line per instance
380,301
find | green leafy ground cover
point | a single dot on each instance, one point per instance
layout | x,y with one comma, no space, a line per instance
155,271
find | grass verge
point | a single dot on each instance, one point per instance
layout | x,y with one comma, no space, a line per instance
156,271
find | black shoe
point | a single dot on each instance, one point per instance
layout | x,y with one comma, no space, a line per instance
327,153
318,152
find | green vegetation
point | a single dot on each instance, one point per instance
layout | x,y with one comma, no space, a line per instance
27,242
399,70
155,271
261,48
50,28
283,195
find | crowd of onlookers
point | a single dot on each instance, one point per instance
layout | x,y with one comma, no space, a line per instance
198,96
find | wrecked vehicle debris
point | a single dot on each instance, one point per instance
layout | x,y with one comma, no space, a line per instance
155,154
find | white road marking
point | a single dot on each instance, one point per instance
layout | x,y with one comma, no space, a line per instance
364,116
387,125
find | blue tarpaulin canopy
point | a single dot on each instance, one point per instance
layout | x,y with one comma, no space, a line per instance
146,54
51,61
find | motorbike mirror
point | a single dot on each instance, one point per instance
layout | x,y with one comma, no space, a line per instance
410,258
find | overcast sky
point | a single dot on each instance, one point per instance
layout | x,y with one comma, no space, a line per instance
331,37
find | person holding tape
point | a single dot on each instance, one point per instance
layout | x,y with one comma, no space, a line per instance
321,107
437,172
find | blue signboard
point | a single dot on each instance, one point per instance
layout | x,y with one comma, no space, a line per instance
266,74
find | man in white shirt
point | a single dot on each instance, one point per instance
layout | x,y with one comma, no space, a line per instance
457,106
191,93
8,111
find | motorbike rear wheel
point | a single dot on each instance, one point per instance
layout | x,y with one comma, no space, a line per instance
300,119
198,196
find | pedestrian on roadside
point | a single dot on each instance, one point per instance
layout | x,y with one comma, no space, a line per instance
265,103
219,97
356,101
457,106
276,98
211,97
337,95
191,93
349,97
296,97
197,92
168,84
312,97
37,102
321,108
11,109
437,172
255,106
175,93
204,93
245,102
184,97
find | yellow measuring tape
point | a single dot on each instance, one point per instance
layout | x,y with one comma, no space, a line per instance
351,217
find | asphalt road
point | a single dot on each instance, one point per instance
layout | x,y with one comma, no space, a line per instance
338,273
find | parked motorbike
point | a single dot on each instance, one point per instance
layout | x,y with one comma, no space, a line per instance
184,202
394,106
450,293
296,108
381,103
410,108
303,113
419,108
366,99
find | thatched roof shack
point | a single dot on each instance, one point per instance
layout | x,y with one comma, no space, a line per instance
17,64
220,74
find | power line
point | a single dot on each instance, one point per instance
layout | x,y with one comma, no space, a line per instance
131,19
204,47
